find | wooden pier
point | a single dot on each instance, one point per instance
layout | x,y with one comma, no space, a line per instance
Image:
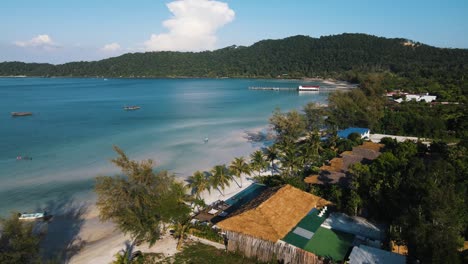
273,88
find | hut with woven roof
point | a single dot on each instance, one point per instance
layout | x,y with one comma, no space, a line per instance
257,228
336,170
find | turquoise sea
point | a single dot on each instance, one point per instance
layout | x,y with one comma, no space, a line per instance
75,122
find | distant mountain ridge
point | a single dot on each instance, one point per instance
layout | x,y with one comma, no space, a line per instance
297,56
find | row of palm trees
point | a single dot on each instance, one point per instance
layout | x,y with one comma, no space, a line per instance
294,158
220,176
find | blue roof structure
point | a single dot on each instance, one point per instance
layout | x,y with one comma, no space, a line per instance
346,132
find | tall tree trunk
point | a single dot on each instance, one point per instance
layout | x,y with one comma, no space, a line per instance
237,182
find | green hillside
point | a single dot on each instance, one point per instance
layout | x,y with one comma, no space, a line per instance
298,56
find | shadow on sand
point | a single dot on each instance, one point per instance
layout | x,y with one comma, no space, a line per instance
62,240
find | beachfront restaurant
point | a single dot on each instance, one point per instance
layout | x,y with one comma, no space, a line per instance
258,228
293,226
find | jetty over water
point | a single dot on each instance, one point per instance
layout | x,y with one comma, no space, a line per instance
273,88
327,88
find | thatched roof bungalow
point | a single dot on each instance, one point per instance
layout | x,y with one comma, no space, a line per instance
257,228
336,171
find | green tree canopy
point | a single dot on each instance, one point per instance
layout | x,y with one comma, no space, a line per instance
288,126
18,243
141,200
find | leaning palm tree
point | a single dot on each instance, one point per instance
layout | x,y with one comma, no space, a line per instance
198,182
238,167
127,255
257,161
221,177
272,154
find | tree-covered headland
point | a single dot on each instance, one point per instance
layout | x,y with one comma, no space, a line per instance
411,64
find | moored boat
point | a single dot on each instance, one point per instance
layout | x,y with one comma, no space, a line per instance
31,217
130,108
312,88
23,158
21,114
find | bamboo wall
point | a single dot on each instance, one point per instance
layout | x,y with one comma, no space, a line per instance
266,250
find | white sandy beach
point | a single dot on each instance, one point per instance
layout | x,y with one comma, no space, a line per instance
102,241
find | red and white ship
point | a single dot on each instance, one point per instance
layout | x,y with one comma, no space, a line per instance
312,88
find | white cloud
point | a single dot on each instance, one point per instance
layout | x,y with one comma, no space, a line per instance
111,47
193,26
40,41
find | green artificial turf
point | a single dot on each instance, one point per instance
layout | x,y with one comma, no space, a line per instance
330,243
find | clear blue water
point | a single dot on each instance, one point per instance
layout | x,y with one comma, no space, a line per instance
76,122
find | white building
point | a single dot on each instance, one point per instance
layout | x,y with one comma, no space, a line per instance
418,97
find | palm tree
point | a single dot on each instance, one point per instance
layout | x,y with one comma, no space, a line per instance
310,148
238,167
220,178
271,154
257,161
180,231
290,161
127,255
198,182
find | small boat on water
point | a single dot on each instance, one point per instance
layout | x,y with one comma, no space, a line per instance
130,108
23,158
312,88
32,217
205,140
14,114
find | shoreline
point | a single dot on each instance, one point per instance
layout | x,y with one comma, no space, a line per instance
330,81
102,240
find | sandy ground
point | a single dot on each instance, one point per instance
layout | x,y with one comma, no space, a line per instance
101,241
336,83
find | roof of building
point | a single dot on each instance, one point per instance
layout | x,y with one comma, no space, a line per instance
311,179
364,254
354,225
348,131
336,170
272,215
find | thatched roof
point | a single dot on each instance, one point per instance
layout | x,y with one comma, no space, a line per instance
272,219
336,171
371,146
336,164
311,179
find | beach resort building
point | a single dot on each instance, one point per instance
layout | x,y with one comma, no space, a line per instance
293,226
418,98
261,227
335,172
364,132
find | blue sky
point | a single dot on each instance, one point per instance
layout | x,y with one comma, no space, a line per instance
59,31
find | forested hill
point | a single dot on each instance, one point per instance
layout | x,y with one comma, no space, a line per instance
298,56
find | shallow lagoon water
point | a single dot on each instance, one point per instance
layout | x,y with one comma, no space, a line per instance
76,122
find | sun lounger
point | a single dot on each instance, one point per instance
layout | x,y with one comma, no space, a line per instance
213,211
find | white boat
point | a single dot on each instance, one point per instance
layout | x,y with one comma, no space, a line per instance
31,217
130,108
312,88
